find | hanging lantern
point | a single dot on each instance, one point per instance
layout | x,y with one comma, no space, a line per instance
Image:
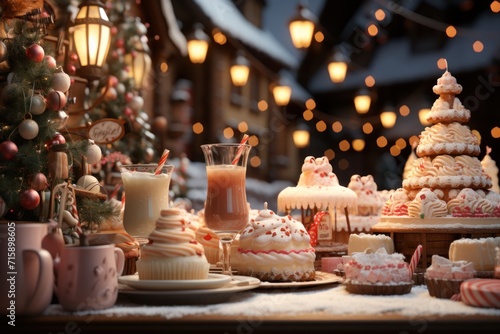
240,70
139,62
388,117
422,116
302,27
337,68
301,136
362,101
282,94
197,44
91,38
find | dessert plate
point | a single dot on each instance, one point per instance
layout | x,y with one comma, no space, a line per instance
213,281
190,297
320,278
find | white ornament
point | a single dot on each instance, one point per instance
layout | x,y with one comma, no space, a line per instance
38,105
94,154
28,129
137,103
89,183
61,82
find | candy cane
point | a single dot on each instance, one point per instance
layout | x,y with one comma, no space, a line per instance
240,149
414,260
162,161
313,228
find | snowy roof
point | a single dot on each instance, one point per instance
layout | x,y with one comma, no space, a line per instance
174,32
225,15
394,62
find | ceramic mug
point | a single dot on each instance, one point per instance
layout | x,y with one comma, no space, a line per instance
87,276
26,270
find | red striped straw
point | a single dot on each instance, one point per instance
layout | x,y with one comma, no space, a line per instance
162,161
240,149
414,259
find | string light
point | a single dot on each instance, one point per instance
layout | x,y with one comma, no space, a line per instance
197,128
344,145
369,81
441,64
262,105
310,104
382,142
372,30
330,154
337,126
395,151
367,128
253,140
243,127
307,115
404,110
451,31
495,6
478,46
495,132
321,126
401,143
380,14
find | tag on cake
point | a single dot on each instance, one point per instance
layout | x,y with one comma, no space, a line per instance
325,231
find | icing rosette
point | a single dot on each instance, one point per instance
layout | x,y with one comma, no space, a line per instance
469,203
427,204
277,248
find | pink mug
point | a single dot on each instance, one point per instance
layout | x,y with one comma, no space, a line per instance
26,270
87,276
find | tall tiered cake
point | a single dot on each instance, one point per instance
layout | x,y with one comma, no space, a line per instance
446,193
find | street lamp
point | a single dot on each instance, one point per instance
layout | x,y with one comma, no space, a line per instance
282,94
91,38
197,44
301,136
362,101
337,68
240,70
139,62
302,27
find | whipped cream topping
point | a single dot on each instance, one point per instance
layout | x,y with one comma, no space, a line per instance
453,138
172,236
397,204
447,84
469,203
427,204
317,172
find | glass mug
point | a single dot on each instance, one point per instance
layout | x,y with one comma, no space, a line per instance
146,194
226,208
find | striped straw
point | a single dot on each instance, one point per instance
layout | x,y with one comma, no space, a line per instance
240,149
414,259
162,161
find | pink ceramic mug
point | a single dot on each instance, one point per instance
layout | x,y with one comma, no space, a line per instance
26,270
87,276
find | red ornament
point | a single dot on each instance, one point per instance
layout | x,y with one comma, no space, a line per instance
39,182
58,139
29,199
8,149
50,61
56,100
35,52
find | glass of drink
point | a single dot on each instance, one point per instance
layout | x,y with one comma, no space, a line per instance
146,194
226,208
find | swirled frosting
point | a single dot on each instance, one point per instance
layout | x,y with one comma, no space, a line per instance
470,203
317,172
397,204
447,84
453,138
426,204
172,237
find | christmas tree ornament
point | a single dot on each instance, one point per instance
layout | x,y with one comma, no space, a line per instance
10,92
37,104
39,182
56,100
160,123
8,150
28,129
61,119
58,139
121,88
94,153
29,199
89,183
110,93
35,52
51,62
61,81
144,115
136,103
3,51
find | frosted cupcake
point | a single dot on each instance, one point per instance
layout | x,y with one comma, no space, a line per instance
210,242
172,252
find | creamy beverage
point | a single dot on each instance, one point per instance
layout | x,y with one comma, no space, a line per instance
146,195
226,208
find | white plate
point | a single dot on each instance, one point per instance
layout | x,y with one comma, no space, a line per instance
320,278
213,281
190,297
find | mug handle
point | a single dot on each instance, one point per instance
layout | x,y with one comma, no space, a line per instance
44,278
120,261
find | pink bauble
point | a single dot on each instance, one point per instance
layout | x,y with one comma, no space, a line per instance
8,149
56,100
58,139
35,52
28,129
61,82
29,199
39,182
37,106
50,61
